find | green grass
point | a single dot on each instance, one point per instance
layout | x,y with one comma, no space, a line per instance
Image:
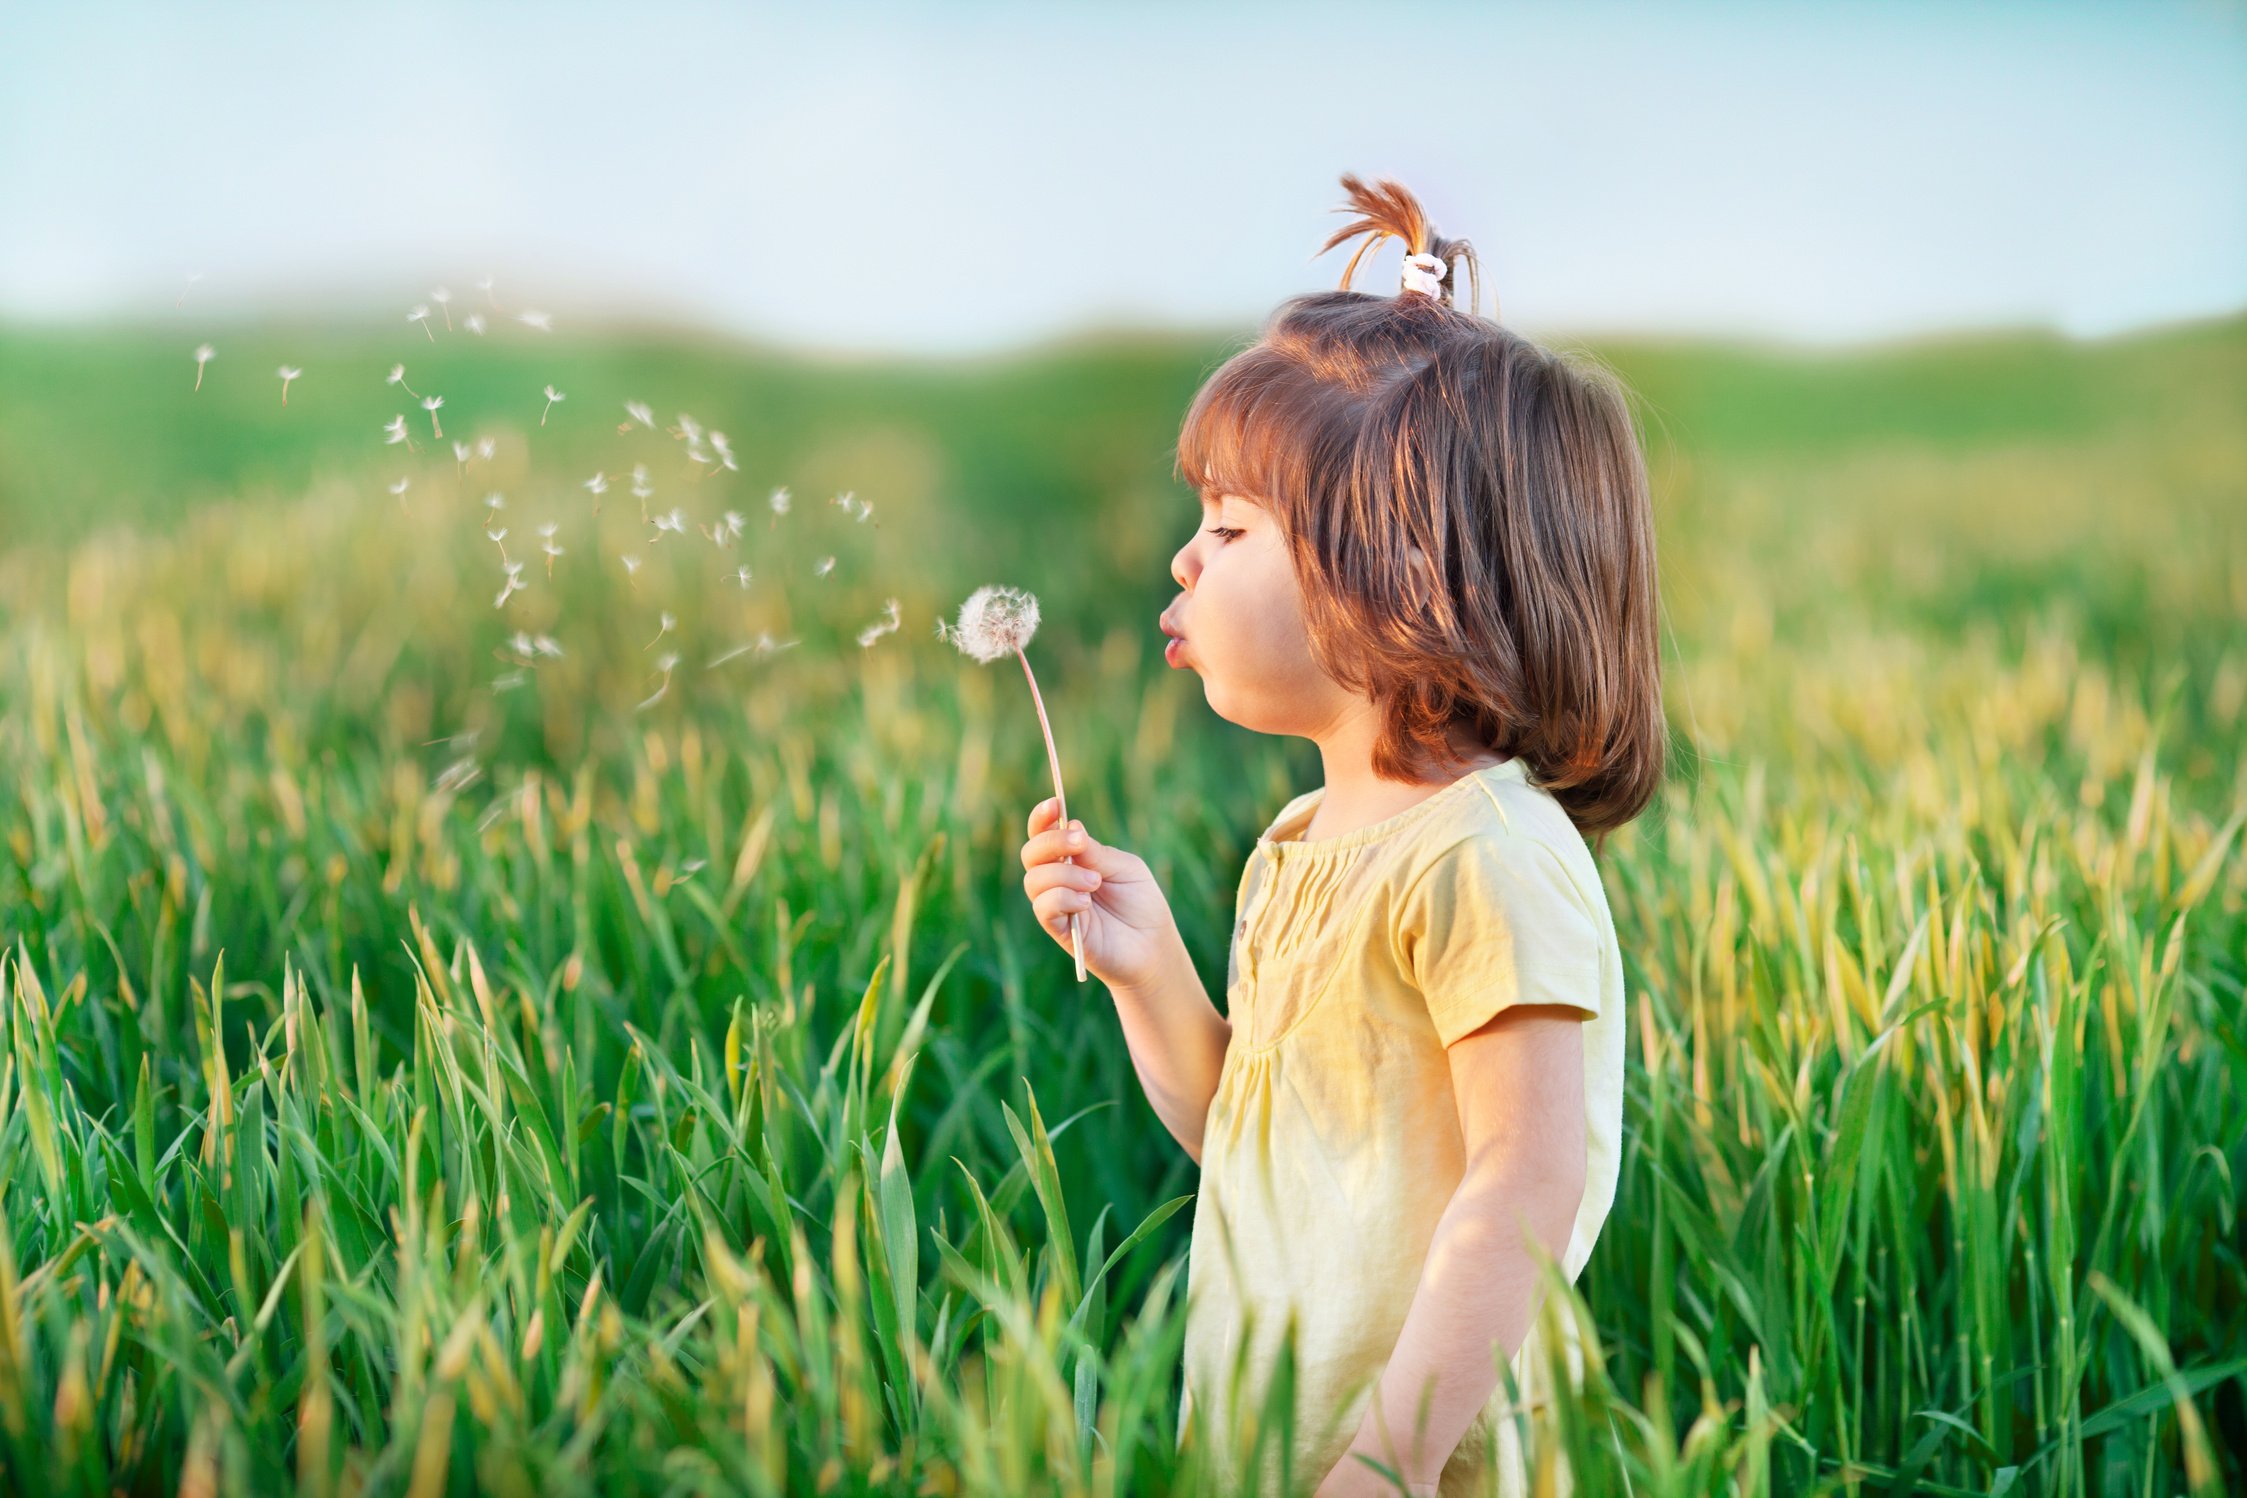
414,1085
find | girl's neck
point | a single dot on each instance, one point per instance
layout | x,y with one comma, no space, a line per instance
1355,797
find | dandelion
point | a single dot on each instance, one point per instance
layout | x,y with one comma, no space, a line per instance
514,584
631,567
443,298
420,314
675,521
843,500
598,483
725,453
546,645
882,626
485,286
287,372
741,576
394,430
398,377
495,501
735,522
203,353
663,627
641,412
521,643
507,683
547,545
474,323
865,508
823,566
486,447
400,487
552,395
543,321
460,457
779,500
996,621
430,403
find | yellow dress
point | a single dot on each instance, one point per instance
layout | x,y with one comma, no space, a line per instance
1333,1143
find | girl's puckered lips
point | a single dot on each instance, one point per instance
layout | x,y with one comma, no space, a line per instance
1174,649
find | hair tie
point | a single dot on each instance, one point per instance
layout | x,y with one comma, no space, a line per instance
1422,273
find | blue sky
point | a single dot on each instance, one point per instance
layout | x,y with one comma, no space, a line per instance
964,177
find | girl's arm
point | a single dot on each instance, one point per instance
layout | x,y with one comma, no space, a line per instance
1178,1042
1519,1081
1131,943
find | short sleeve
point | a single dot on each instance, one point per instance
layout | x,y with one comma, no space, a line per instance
1492,922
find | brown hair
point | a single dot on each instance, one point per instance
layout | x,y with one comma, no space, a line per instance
1371,426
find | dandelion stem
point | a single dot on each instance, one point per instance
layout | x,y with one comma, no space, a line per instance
1060,801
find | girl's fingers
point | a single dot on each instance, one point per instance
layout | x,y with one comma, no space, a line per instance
1044,815
1068,876
1052,845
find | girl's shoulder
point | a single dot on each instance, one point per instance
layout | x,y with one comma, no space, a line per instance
1503,818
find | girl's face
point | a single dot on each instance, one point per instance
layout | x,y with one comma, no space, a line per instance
1241,619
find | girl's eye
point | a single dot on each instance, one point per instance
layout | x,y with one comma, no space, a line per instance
1227,531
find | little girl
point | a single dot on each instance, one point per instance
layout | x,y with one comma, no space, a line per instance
1426,546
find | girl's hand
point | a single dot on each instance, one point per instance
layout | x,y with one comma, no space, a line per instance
1121,913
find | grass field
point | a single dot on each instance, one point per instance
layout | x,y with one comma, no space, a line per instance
429,1065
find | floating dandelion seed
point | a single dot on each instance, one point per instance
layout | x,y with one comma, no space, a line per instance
823,566
398,377
400,487
725,453
880,627
675,521
552,395
598,483
460,457
546,646
662,628
543,321
394,431
495,502
485,286
420,314
552,551
843,500
735,522
474,323
486,447
203,354
641,412
514,584
287,372
865,508
192,277
443,298
496,535
779,500
666,663
631,567
993,622
430,403
762,645
507,683
741,576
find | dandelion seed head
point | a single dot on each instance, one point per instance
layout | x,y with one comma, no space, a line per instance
441,296
419,313
548,528
741,576
546,645
203,353
995,621
598,483
401,486
824,566
486,446
666,661
555,395
397,375
460,452
780,500
495,502
631,564
495,535
543,321
394,430
431,402
288,372
641,412
474,322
